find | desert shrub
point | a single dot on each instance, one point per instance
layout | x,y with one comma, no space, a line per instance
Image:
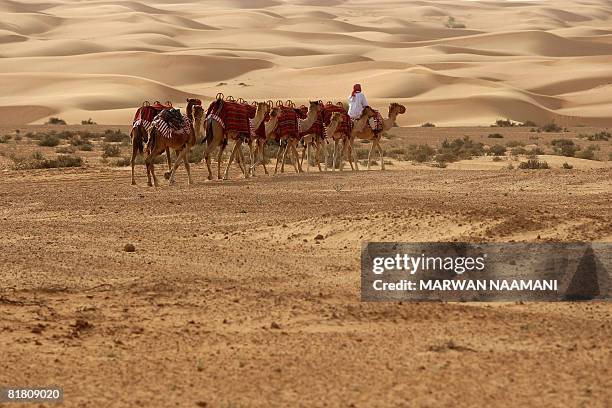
110,150
428,124
445,158
567,166
596,137
535,151
38,161
534,165
497,159
363,153
86,146
5,138
564,147
452,23
588,154
515,143
111,136
420,153
88,122
551,127
510,166
122,162
65,150
515,151
495,136
464,148
197,153
49,140
56,121
498,150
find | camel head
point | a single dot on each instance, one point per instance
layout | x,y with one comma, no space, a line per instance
198,112
315,106
275,112
336,117
396,108
194,101
263,107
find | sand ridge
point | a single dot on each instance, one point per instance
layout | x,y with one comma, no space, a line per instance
538,60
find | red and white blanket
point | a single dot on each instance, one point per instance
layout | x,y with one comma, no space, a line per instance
232,116
345,126
376,123
317,127
288,127
166,130
145,115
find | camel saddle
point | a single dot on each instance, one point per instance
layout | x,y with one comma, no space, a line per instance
171,121
232,116
287,127
376,123
260,132
147,112
346,125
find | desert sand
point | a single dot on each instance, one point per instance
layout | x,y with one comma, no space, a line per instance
246,293
531,60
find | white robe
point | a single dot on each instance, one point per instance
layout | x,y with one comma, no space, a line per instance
356,105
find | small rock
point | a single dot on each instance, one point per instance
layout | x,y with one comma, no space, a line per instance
129,248
275,325
319,237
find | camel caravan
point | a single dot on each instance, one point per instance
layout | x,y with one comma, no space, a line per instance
232,123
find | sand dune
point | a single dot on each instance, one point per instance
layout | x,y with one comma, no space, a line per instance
536,60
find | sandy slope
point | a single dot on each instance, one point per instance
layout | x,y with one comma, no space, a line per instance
536,60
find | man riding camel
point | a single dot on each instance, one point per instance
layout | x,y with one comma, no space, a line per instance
357,102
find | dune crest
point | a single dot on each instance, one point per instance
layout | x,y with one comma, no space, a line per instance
536,61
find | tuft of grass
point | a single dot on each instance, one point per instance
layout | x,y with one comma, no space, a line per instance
564,147
567,166
88,122
533,164
516,151
6,138
114,136
497,159
110,150
495,136
596,137
428,124
197,153
49,140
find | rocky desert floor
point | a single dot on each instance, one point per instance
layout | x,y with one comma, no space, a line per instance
229,301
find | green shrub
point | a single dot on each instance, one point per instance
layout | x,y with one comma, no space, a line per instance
88,122
197,154
588,154
109,150
514,143
464,148
516,151
535,151
5,138
497,159
495,136
38,161
597,137
111,136
534,165
428,124
567,166
420,153
564,147
551,127
498,150
49,141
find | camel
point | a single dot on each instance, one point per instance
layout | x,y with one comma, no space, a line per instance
357,126
139,137
258,145
217,136
180,141
303,125
367,133
315,141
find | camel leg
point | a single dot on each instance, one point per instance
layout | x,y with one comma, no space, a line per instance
207,159
307,157
133,163
230,161
151,169
282,169
263,156
168,159
221,149
188,167
181,156
370,155
278,157
317,153
382,156
243,162
354,154
252,157
296,161
325,154
334,155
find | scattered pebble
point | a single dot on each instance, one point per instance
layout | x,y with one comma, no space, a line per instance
129,248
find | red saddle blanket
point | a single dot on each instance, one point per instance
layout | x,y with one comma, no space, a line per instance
376,123
287,127
345,126
145,115
316,128
232,116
